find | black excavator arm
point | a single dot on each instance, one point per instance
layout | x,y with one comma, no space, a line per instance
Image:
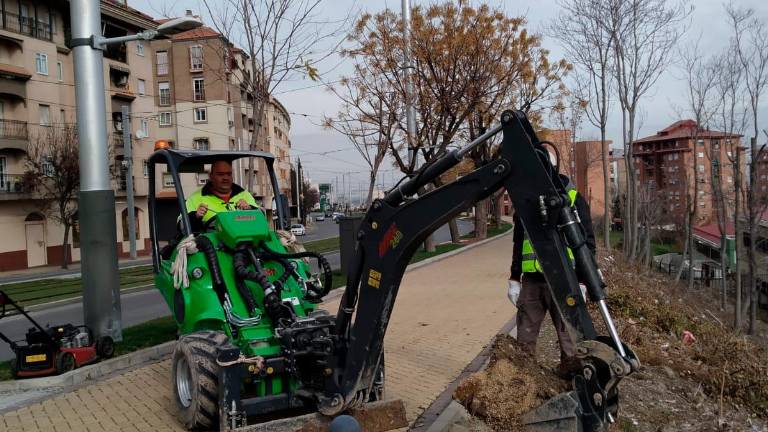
395,226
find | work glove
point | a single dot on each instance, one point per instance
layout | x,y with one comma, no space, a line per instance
513,291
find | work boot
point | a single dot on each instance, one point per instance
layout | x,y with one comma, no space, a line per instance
568,367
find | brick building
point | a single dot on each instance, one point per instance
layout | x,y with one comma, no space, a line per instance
667,163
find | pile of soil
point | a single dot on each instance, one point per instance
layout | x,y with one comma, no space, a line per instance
717,382
512,384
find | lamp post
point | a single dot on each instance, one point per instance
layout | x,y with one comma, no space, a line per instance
98,236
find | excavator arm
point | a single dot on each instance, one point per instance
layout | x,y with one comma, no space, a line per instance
395,226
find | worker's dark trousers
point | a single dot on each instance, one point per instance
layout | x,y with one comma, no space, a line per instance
532,306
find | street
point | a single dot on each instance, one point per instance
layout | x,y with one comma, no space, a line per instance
142,306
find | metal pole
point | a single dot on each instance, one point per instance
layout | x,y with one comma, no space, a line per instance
128,161
98,239
407,75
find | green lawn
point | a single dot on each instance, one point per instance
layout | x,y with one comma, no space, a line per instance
617,240
323,246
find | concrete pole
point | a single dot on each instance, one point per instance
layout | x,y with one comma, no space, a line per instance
407,75
128,161
98,236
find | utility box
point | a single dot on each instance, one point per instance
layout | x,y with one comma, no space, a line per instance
348,227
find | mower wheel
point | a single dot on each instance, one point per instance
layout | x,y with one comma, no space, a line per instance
194,378
65,362
105,347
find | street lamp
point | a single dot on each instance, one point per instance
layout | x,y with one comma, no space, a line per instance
101,287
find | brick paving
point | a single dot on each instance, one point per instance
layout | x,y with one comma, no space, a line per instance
444,314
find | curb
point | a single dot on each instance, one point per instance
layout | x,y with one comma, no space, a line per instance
91,372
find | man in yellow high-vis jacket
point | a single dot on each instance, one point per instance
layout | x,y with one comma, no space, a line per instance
528,289
218,195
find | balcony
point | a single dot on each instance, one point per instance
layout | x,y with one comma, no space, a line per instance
26,26
12,187
14,134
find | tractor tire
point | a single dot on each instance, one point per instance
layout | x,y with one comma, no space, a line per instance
379,383
65,362
105,347
194,379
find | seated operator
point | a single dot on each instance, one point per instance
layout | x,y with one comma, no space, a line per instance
218,195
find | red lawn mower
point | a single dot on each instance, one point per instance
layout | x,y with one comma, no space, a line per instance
53,350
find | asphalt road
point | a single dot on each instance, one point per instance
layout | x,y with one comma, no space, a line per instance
142,306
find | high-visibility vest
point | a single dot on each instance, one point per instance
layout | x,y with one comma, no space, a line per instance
530,262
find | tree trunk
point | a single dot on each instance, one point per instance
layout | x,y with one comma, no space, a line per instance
498,209
481,220
737,249
685,252
65,248
689,240
429,242
371,186
607,192
723,270
453,227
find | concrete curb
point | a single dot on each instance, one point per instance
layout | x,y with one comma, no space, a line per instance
91,372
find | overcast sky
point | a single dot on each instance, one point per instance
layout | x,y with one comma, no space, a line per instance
308,102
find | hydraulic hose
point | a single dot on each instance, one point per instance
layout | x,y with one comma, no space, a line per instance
272,303
322,262
241,273
205,246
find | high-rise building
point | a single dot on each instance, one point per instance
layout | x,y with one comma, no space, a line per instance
37,95
667,163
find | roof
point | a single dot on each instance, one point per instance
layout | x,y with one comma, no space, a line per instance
711,233
14,70
684,129
193,159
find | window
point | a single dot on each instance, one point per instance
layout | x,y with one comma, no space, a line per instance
196,57
164,118
47,167
730,179
701,168
700,142
701,154
62,116
59,71
145,168
143,128
164,90
162,62
142,87
167,180
45,115
201,144
198,89
201,115
730,154
140,48
41,63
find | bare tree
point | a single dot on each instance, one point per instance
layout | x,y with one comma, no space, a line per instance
52,171
583,29
368,117
568,114
699,77
644,34
650,214
283,40
750,43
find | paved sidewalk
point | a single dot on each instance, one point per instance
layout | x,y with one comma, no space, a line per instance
445,313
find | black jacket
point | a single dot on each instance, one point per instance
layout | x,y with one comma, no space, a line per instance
518,235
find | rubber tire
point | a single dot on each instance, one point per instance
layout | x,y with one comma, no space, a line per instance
199,350
105,347
378,393
65,362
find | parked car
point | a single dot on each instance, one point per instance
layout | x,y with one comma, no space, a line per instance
298,229
320,217
336,216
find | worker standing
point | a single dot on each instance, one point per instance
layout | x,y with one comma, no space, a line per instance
528,289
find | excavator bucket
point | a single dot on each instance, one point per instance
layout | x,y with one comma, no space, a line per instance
372,417
562,413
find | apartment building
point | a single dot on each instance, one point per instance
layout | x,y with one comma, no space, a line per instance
665,163
37,93
202,103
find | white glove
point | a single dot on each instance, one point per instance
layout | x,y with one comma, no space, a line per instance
513,291
583,289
